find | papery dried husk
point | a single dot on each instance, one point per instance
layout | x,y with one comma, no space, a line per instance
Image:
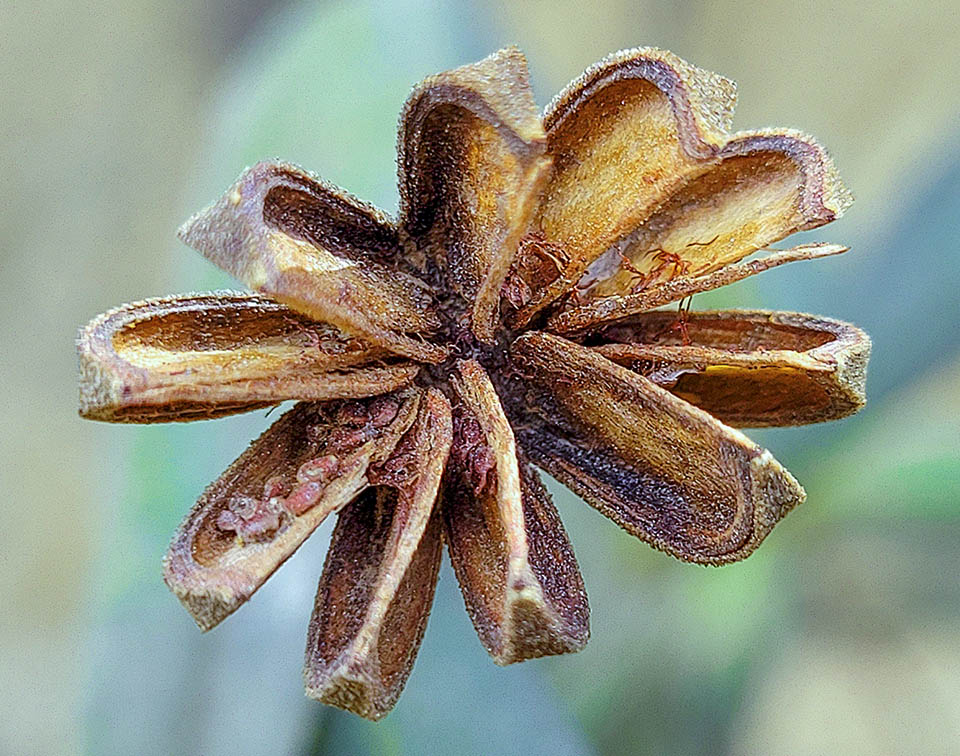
659,467
624,136
764,186
515,565
198,356
213,570
472,159
378,581
602,310
326,254
748,368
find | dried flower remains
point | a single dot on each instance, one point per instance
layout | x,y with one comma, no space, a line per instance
505,321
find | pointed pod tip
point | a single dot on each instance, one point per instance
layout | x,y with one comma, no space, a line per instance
186,231
826,249
775,491
508,51
355,694
200,229
207,608
534,629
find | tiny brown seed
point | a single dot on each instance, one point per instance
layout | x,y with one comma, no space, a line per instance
303,497
353,413
383,411
347,439
274,486
320,469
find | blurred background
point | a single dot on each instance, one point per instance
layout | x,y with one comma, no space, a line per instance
841,635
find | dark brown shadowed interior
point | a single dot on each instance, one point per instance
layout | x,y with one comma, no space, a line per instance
746,369
329,222
246,324
288,450
743,398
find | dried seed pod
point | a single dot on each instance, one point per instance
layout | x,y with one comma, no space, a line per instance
628,194
664,470
208,569
472,165
320,251
765,186
751,368
603,310
604,186
515,565
206,355
378,581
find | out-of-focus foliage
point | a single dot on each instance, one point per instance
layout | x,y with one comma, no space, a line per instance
841,635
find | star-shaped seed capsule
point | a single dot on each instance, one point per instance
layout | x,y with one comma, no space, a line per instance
504,320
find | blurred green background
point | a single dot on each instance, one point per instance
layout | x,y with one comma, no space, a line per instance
840,636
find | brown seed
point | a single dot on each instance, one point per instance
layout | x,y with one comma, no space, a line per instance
346,439
383,411
251,518
480,463
275,486
353,413
228,520
263,523
303,497
320,469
